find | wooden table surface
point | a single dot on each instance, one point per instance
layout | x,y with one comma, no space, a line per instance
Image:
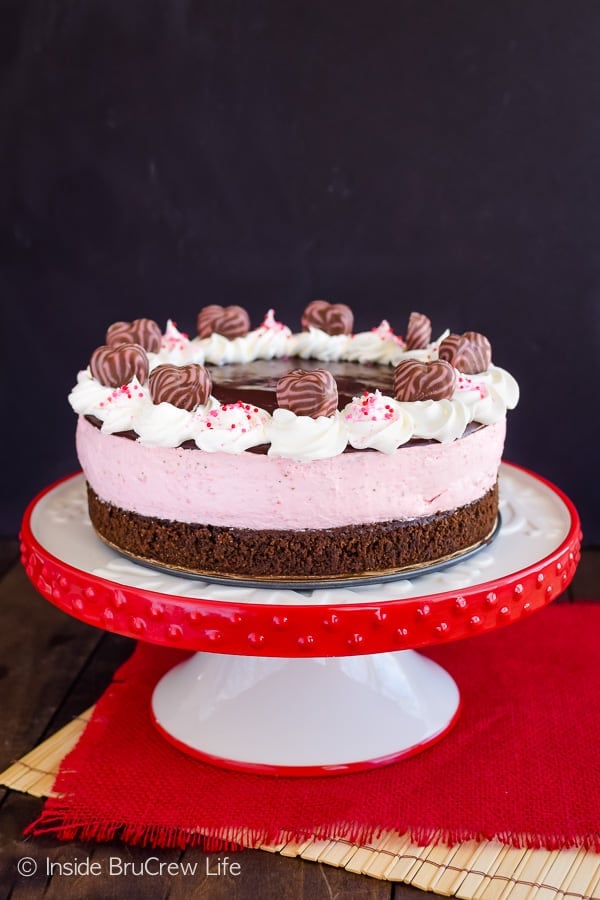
52,667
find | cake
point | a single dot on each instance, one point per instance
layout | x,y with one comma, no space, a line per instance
270,454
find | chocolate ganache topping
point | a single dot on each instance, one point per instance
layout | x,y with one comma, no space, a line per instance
256,382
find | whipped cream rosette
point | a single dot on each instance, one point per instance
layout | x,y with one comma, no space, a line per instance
270,341
317,344
379,346
175,348
487,395
377,422
305,438
230,427
437,420
164,425
118,409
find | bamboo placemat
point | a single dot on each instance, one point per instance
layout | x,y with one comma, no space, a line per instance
486,870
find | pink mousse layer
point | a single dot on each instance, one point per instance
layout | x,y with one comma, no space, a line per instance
250,490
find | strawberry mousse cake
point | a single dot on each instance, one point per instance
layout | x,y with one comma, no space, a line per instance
262,453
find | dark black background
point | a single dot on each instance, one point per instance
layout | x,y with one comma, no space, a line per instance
438,156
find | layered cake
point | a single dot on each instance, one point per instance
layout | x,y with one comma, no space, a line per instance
270,454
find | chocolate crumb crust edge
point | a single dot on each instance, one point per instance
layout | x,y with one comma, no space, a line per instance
350,550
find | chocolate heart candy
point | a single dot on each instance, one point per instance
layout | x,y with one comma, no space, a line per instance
116,366
418,333
228,321
311,393
144,332
185,387
415,380
451,347
206,317
479,356
332,318
470,352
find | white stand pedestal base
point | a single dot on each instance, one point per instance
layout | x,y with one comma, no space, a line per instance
305,716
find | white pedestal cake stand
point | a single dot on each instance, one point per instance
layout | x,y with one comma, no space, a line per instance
306,682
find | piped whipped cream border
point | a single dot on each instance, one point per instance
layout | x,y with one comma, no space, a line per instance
371,421
274,340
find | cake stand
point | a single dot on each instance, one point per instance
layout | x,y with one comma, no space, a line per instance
321,681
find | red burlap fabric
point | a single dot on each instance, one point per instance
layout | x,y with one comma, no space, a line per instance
521,765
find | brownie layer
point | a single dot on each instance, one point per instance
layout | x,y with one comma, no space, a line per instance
348,550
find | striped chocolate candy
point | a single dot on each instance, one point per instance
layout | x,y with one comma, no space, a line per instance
332,318
479,356
415,380
311,393
185,387
451,347
418,333
144,332
228,321
116,366
470,352
206,317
